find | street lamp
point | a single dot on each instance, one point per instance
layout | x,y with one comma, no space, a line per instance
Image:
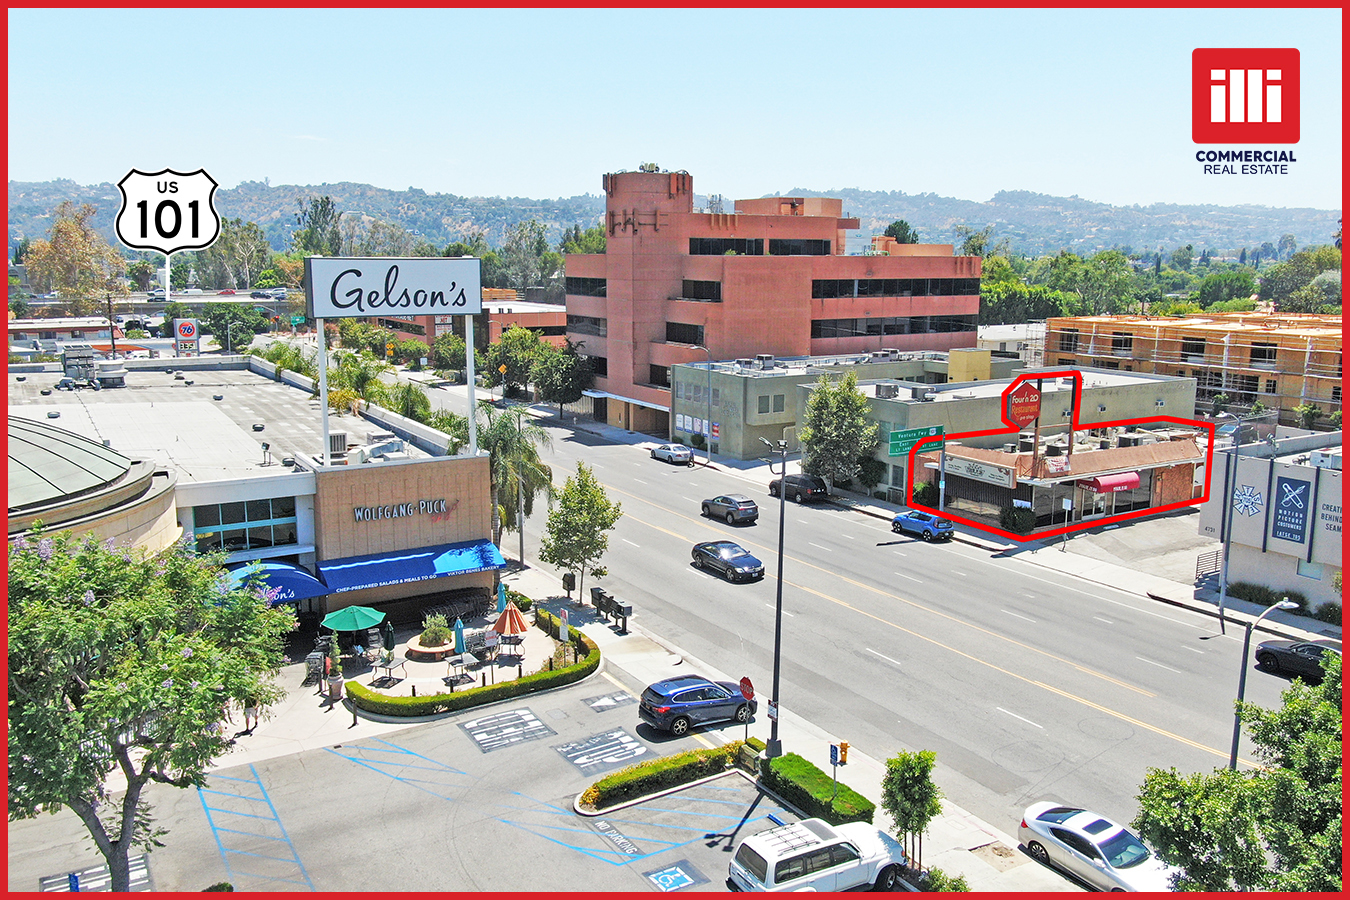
775,746
707,447
1227,511
229,337
1286,603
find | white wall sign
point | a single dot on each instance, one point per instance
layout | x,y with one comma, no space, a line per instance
346,287
978,471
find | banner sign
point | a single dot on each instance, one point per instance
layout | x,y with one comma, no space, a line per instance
1293,497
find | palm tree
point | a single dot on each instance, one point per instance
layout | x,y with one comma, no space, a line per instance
361,372
408,400
517,471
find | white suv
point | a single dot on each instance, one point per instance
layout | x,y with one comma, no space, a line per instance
813,855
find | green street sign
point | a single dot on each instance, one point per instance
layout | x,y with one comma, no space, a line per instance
297,320
903,441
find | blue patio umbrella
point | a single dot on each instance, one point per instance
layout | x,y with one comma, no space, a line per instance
501,597
459,635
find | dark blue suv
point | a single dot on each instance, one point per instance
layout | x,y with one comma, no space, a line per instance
677,704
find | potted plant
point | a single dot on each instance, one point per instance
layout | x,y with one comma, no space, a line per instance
334,670
435,632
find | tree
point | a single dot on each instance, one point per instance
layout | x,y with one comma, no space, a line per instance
976,243
902,233
448,352
1282,280
518,474
575,539
1221,287
522,256
408,400
454,427
562,375
230,322
238,256
911,798
123,661
76,261
360,372
1183,258
318,229
376,238
836,432
517,349
1011,303
141,272
1276,828
1287,245
592,240
1308,414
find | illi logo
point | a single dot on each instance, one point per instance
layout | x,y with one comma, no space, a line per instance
1247,500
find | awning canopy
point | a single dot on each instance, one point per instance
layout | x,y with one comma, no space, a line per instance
1111,484
285,583
352,573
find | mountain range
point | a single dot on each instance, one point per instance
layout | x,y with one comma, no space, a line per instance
1034,224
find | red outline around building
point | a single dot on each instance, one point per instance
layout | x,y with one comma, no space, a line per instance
1074,426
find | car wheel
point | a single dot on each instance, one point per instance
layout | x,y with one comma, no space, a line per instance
1038,853
887,879
707,513
773,491
679,726
896,528
743,713
654,456
731,520
796,497
1267,661
928,536
729,575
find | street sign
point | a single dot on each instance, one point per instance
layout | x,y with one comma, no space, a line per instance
297,320
773,711
167,211
186,329
834,754
502,368
747,689
903,441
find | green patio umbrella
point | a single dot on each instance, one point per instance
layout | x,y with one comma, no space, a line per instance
353,618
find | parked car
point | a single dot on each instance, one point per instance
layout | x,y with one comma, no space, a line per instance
1301,658
1092,848
813,855
729,559
260,295
925,525
801,488
678,704
732,507
673,453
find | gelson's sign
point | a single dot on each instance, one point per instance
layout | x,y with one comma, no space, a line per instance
1024,404
345,287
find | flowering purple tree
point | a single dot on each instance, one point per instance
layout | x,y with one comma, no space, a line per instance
122,661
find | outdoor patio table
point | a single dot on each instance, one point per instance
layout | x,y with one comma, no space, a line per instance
511,644
389,665
457,664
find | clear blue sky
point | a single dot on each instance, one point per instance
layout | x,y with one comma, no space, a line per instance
540,103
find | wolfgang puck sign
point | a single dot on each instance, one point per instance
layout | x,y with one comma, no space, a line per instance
345,287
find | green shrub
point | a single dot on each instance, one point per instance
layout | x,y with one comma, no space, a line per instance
435,631
806,787
1264,596
925,494
937,881
219,886
697,442
522,602
656,775
1016,519
1330,611
589,660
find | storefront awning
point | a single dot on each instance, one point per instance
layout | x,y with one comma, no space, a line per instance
352,573
1111,484
284,582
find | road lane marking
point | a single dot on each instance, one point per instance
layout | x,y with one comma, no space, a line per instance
848,536
1193,650
1158,664
785,612
818,547
631,544
1017,615
639,481
883,656
910,577
1100,619
1016,716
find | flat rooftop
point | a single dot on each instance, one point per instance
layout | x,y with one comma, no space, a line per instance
182,426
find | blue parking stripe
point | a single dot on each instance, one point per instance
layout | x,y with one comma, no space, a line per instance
233,843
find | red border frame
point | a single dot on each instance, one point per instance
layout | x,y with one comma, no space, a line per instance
1077,376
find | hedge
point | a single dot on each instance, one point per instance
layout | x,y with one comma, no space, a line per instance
1264,596
656,775
806,787
372,701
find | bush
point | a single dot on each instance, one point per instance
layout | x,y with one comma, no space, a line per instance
1017,519
656,775
219,886
435,631
522,602
938,881
925,494
697,442
803,785
375,702
1330,611
1264,596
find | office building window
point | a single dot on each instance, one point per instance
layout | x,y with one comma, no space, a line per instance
701,290
682,333
778,402
893,325
764,403
659,375
592,325
600,366
1263,355
1310,570
723,246
794,247
587,287
1068,340
1270,386
1122,343
827,288
1191,347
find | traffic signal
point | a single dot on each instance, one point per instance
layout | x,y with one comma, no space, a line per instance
843,753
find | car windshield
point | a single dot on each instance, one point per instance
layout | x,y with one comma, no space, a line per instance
1124,850
921,517
731,551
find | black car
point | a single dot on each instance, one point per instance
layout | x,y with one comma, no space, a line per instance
1294,657
260,295
801,488
676,704
729,559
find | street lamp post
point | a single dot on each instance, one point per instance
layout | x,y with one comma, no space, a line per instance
1227,511
775,746
229,337
1286,603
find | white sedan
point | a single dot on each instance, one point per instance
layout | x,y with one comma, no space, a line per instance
673,453
1092,848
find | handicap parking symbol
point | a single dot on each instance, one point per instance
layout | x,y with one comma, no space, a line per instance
671,879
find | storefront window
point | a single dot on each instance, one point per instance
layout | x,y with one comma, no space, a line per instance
250,525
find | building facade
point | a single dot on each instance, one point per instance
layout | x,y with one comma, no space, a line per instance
501,311
1283,361
676,285
1283,501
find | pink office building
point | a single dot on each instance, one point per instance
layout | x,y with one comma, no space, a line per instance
769,278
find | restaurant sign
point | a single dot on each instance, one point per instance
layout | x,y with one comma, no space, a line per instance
978,471
436,509
1024,404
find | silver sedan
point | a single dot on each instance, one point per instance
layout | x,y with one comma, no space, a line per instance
1092,848
673,453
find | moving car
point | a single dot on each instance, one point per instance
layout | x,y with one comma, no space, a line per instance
156,294
1092,848
225,293
812,855
732,507
260,295
801,488
729,559
677,704
277,293
673,453
925,525
1302,658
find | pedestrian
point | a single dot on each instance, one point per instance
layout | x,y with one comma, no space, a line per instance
250,715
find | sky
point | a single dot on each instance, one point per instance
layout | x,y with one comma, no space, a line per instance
752,102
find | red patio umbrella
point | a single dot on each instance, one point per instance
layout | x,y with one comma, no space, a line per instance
510,621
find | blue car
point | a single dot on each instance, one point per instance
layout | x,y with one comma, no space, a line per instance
677,704
925,525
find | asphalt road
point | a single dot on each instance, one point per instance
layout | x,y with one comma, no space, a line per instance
1027,683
